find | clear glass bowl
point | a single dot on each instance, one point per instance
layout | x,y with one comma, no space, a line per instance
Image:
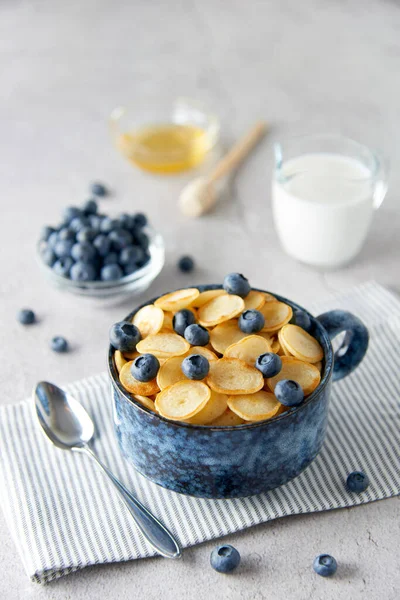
164,137
130,285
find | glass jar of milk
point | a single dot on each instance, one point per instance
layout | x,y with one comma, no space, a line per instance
324,192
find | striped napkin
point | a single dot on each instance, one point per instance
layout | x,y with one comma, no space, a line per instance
63,514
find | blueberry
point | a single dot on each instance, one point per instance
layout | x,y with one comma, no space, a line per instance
46,232
26,316
251,321
79,223
111,259
98,189
139,220
141,239
63,266
197,335
53,239
102,244
66,234
302,319
95,221
130,268
120,238
269,364
48,256
235,283
182,319
145,367
125,221
70,213
86,234
131,254
84,252
63,248
107,225
186,264
224,559
111,273
124,336
90,207
59,344
289,392
146,257
325,565
195,366
83,271
357,482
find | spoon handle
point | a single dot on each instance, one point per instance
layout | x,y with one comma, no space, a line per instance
155,532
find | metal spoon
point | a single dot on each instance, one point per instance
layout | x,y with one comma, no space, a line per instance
67,424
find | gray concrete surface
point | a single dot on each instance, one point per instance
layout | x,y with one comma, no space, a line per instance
306,67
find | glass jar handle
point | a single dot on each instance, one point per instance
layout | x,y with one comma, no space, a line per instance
381,182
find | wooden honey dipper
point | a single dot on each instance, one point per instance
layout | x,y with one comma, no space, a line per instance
199,196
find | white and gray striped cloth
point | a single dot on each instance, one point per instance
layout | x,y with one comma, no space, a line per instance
63,515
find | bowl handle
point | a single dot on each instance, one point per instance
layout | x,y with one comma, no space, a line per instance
355,342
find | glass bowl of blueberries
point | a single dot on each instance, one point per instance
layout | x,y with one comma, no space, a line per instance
92,254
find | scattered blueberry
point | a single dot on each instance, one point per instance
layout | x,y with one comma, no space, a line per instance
197,335
82,271
131,254
302,319
357,482
71,212
90,207
63,248
235,283
102,245
120,238
251,321
195,366
289,392
139,220
325,565
98,189
111,273
145,367
48,256
63,266
186,264
26,316
111,259
182,319
86,234
59,344
269,364
84,252
124,336
66,234
224,559
46,233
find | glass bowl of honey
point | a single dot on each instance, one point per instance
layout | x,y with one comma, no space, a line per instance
165,138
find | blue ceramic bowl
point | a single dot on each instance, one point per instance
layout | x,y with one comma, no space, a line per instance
232,462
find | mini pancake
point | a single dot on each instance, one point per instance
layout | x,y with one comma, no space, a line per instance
306,374
233,376
149,320
177,300
226,334
167,323
170,372
220,309
206,296
119,360
254,300
254,407
164,345
248,349
269,297
301,344
147,402
134,386
215,407
182,400
131,355
276,314
227,419
275,345
284,348
204,351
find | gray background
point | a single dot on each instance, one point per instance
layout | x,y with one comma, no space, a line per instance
313,66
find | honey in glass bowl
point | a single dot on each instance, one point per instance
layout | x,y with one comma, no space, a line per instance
165,141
